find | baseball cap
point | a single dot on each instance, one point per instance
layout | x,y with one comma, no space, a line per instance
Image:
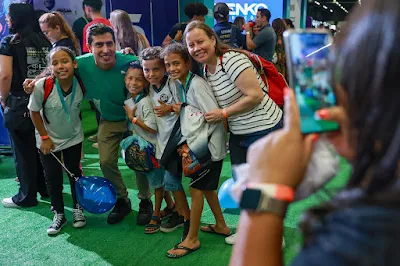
221,10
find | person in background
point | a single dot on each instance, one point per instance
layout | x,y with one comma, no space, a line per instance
238,88
360,225
289,23
227,32
79,25
15,66
255,30
59,130
264,42
125,33
194,11
279,27
92,9
239,22
59,33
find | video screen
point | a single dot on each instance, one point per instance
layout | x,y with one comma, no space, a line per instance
309,55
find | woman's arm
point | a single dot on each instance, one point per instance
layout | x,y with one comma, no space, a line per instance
247,83
259,240
6,66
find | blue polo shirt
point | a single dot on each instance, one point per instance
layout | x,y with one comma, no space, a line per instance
265,42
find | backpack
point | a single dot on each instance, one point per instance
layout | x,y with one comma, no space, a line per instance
273,80
48,88
141,160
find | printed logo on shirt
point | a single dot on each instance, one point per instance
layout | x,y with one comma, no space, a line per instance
164,98
36,61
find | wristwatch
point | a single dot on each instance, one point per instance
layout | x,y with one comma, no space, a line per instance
266,198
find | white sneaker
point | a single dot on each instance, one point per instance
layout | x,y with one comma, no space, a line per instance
93,138
231,239
58,223
95,145
9,203
79,218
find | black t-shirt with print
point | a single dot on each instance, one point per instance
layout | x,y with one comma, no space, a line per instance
28,61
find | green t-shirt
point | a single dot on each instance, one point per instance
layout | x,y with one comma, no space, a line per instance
106,88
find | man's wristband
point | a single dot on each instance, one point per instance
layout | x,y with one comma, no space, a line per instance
134,120
44,137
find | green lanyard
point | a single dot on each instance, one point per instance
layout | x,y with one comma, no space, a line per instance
63,103
184,89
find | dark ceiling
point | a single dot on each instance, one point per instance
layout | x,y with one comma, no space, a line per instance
318,12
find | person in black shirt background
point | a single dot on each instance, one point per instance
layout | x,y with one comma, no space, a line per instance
58,31
22,55
79,25
194,11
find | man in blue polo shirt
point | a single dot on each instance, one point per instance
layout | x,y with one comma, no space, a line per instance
264,43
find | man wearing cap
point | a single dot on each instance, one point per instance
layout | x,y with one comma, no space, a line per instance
92,9
264,43
226,31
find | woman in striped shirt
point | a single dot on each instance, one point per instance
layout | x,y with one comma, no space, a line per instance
238,88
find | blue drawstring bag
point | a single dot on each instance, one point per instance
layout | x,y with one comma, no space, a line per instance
94,194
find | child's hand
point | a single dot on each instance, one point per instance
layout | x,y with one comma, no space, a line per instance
130,113
46,146
163,109
177,108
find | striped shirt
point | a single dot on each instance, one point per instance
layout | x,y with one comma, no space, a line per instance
262,117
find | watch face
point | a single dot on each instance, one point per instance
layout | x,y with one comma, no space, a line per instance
250,199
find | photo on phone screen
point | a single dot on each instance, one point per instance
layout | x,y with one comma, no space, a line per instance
308,53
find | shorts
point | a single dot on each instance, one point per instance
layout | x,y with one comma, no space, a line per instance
239,144
156,178
172,183
211,179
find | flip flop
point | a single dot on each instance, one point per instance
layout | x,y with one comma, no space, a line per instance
188,251
211,230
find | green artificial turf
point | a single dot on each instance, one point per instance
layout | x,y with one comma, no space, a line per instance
23,238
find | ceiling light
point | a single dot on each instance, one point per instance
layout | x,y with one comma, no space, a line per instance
316,2
324,6
331,11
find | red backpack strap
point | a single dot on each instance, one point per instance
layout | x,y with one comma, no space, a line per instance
48,88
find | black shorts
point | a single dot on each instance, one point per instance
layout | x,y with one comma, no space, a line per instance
211,179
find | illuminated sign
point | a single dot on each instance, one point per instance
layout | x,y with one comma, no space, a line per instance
248,9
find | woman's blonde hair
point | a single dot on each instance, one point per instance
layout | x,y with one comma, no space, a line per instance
54,19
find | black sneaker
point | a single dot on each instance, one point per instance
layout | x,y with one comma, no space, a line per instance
121,209
173,223
79,217
145,212
186,227
58,222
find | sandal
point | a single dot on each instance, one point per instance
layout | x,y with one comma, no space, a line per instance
153,228
166,213
188,251
211,230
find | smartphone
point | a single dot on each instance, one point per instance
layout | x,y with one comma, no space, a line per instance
307,53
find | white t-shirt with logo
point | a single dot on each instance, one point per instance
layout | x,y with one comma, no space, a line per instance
168,94
62,133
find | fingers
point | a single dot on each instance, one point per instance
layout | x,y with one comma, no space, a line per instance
336,113
309,141
161,102
291,114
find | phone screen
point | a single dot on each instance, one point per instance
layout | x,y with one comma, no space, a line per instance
309,76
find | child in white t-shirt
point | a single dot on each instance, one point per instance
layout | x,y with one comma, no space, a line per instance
60,132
